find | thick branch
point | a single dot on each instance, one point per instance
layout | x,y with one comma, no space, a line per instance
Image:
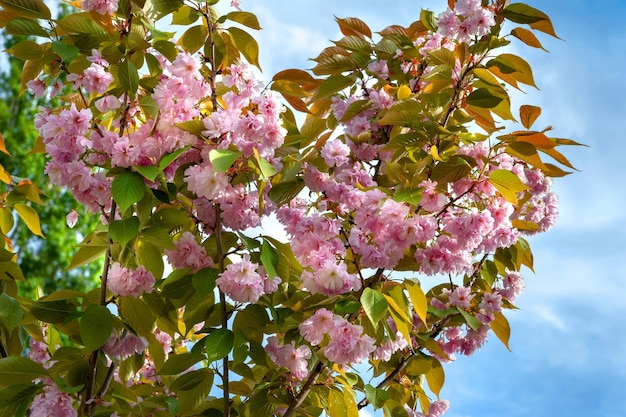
306,388
88,409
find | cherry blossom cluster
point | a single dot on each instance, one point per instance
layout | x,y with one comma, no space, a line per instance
346,342
468,20
123,281
246,281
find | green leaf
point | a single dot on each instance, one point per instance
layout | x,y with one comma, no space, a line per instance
452,170
354,43
193,39
374,304
418,299
185,16
222,159
127,188
523,13
246,44
219,343
507,183
244,18
482,97
55,312
150,172
501,328
376,396
11,313
25,50
286,191
471,321
332,85
16,370
30,217
136,313
241,348
176,364
96,325
269,259
402,113
81,23
27,8
266,168
86,254
428,19
14,395
66,52
203,281
192,388
123,231
128,77
334,65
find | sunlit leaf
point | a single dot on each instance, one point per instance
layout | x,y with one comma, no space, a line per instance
501,328
28,8
244,18
222,159
528,115
352,26
246,44
219,343
127,188
435,377
418,299
523,13
374,304
527,37
30,217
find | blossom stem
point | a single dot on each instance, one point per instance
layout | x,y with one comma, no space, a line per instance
306,388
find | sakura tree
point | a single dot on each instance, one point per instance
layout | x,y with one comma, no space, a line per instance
398,168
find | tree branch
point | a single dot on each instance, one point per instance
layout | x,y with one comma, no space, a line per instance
88,409
306,388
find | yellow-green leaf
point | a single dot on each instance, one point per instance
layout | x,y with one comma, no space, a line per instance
246,44
527,37
244,18
507,183
30,217
435,377
193,38
27,8
418,299
501,328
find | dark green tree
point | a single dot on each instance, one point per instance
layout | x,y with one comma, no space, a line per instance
43,262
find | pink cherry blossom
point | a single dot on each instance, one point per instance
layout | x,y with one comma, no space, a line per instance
51,402
126,282
241,281
314,328
335,153
188,254
101,6
288,356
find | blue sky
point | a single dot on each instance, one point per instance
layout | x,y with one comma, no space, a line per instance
568,340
